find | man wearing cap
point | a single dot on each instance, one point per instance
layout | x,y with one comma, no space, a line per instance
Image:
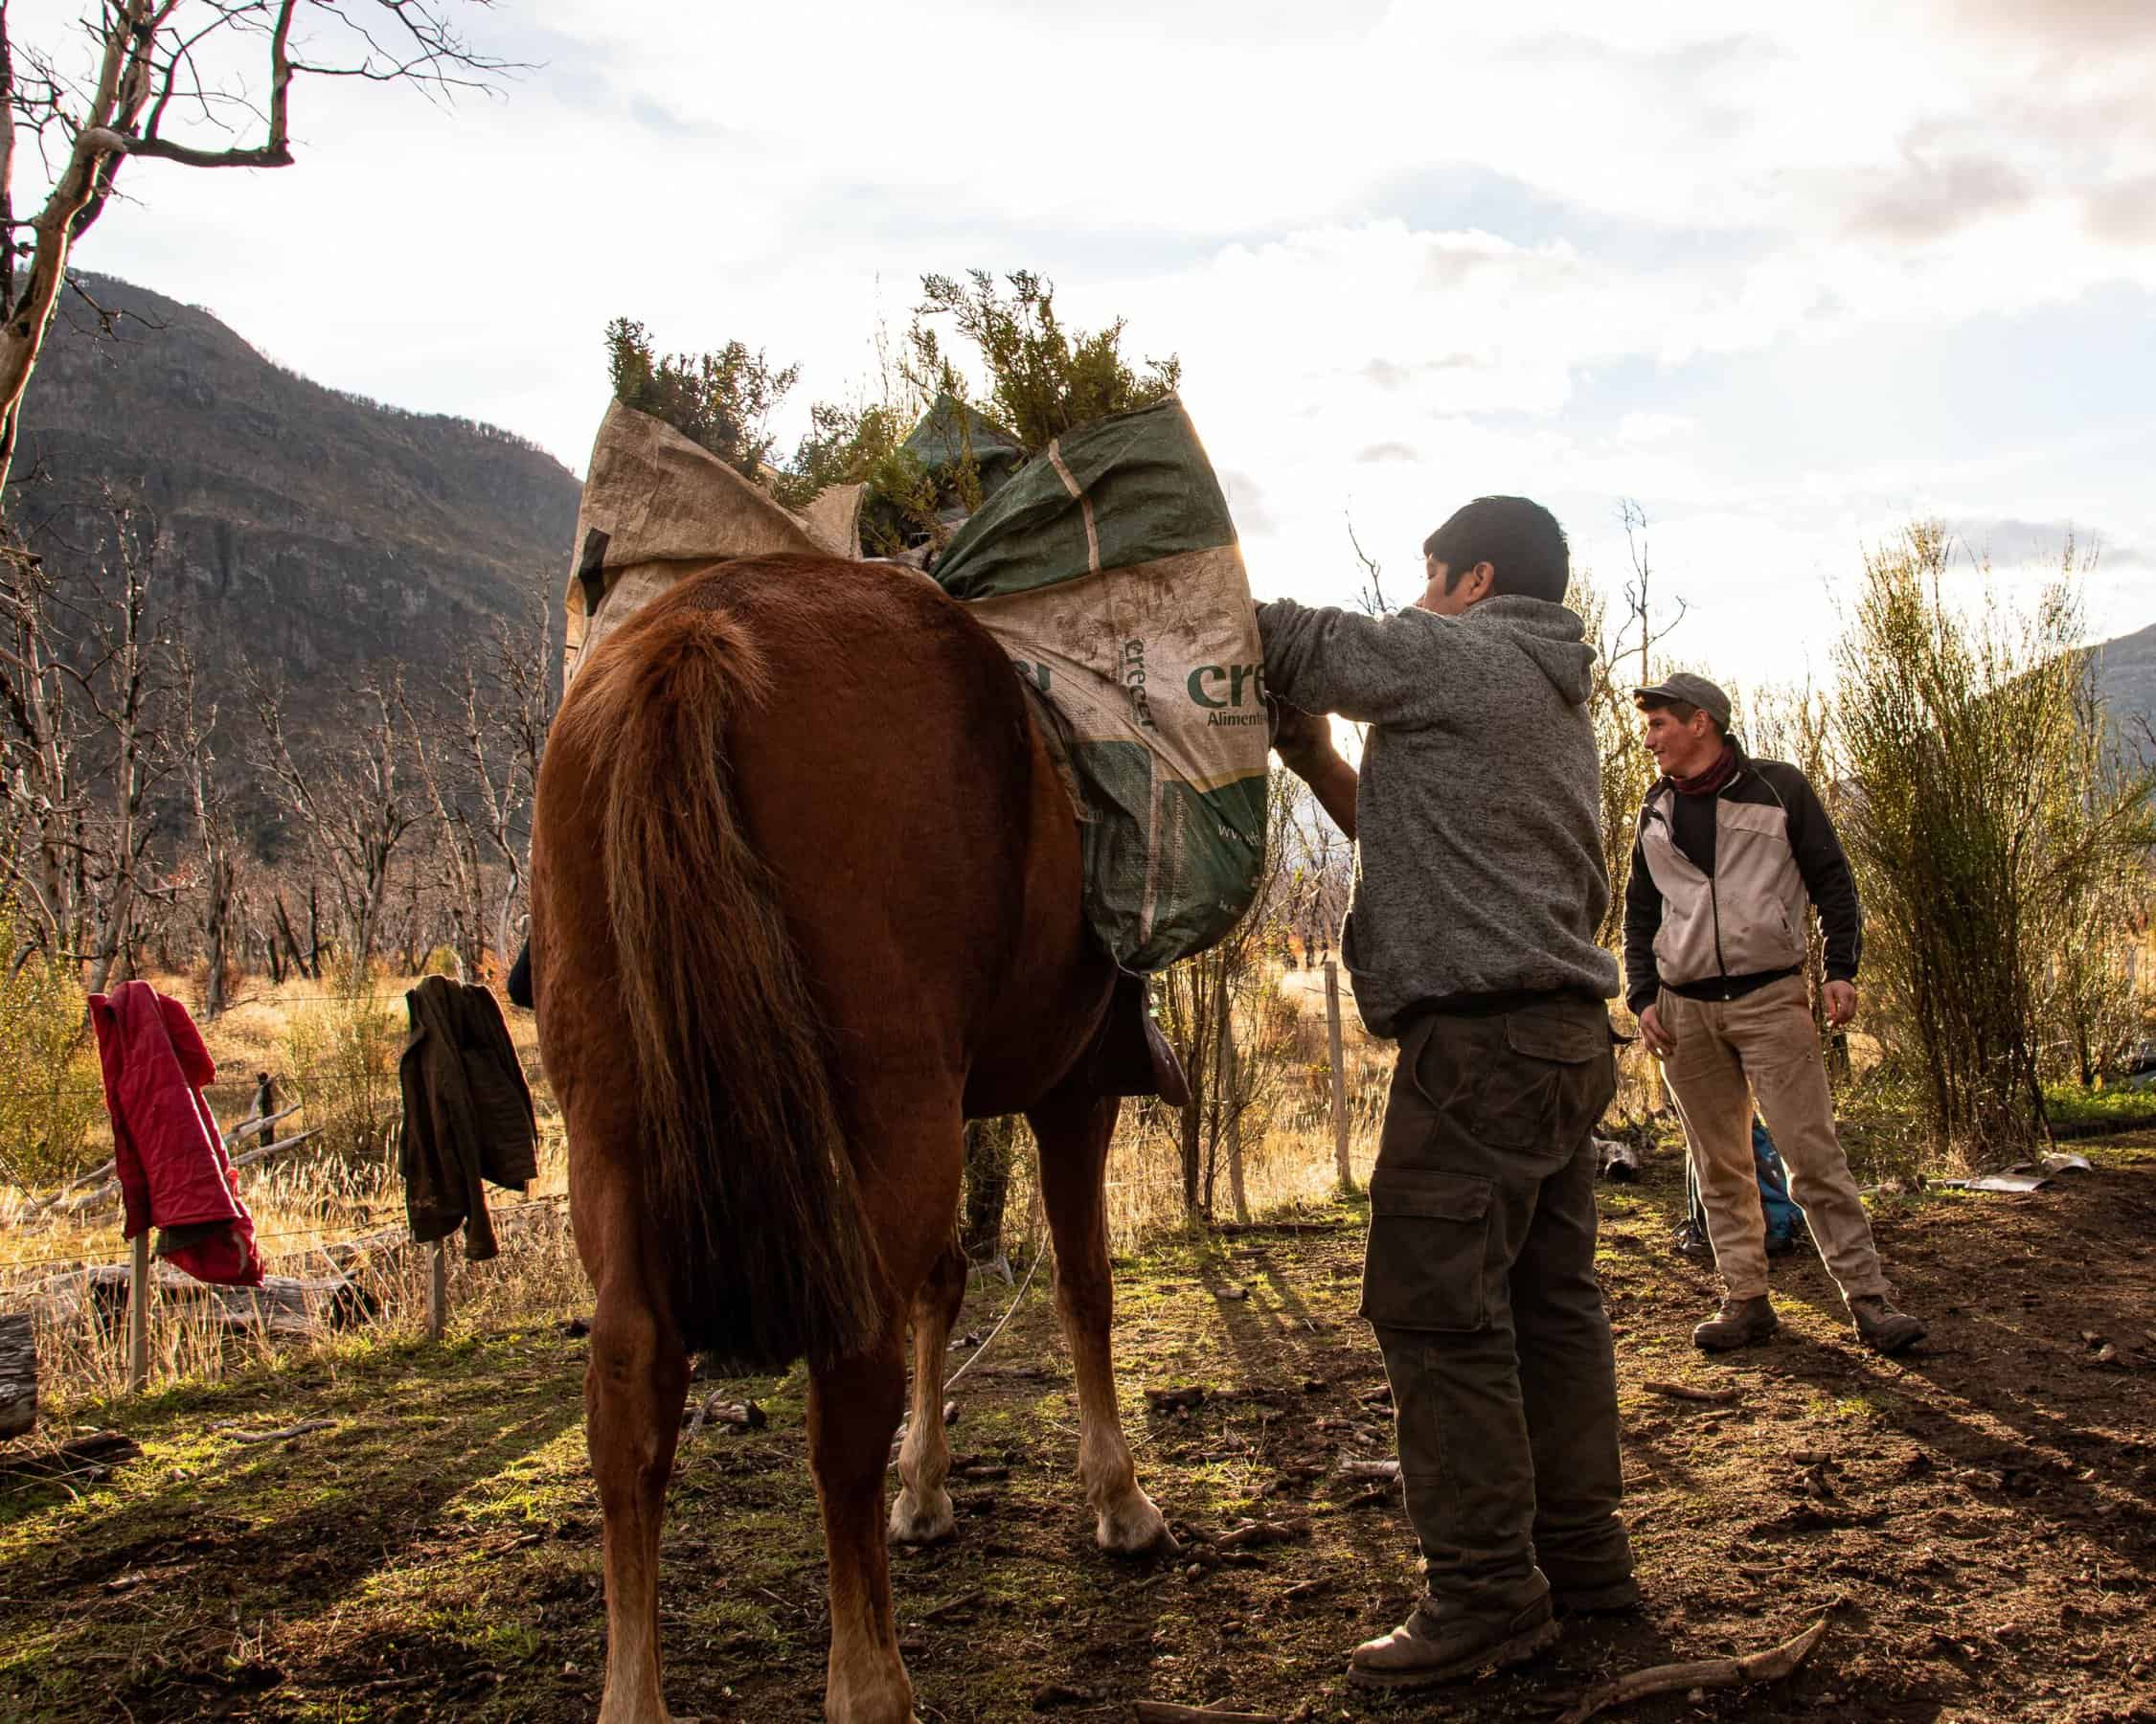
1479,887
1732,855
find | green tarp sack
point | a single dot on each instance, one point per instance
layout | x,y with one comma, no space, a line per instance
1107,567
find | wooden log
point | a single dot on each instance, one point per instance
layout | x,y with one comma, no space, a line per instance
1167,1712
19,1374
255,1125
287,1304
88,1458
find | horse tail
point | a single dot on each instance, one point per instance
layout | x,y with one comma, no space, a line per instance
751,1194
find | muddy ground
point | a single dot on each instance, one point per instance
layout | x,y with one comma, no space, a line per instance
1979,1518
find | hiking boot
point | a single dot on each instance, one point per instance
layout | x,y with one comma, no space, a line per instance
1740,1322
1883,1329
1597,1600
1444,1643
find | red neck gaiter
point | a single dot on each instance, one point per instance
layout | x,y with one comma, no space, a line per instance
1711,780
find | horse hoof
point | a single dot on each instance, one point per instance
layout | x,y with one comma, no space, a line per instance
1135,1529
916,1524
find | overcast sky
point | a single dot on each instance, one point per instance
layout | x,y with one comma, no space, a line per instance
1789,285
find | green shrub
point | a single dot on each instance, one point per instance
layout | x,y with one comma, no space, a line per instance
2069,1106
342,1056
50,1091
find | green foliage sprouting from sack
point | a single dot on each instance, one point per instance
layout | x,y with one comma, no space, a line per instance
1043,379
50,1091
923,451
722,401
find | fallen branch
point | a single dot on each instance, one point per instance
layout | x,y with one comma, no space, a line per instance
742,1415
1235,1230
92,1457
1167,1712
1770,1665
1352,1467
107,1194
1685,1392
952,1607
1252,1534
266,1150
286,1434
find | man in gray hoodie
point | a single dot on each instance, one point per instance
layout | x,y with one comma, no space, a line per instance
1479,887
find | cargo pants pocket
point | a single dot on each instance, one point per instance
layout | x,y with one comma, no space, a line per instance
1425,1265
1544,1090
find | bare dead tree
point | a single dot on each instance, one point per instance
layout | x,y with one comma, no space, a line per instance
506,740
479,762
124,687
452,849
216,843
158,81
1638,594
86,744
348,801
1370,597
44,794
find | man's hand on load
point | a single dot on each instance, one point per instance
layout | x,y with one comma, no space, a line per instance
1841,1003
1303,741
1659,1042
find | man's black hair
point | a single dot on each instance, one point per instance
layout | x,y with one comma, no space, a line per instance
1519,539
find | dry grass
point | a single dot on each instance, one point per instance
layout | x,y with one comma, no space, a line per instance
309,1203
305,1204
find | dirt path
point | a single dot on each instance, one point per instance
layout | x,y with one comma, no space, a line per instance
1982,1521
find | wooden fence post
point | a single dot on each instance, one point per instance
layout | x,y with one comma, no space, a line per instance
1339,1075
138,1315
438,1290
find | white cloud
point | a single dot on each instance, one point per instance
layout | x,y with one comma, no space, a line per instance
1408,254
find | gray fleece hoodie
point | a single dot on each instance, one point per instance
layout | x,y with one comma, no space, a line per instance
1479,861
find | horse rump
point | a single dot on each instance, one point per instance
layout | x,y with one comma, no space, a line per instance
751,1193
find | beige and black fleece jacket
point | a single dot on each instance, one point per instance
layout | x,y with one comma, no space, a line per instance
1722,886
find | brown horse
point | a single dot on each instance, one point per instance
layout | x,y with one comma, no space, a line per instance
805,898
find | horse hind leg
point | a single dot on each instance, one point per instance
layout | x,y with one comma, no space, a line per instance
633,1387
920,1514
1073,1132
853,1412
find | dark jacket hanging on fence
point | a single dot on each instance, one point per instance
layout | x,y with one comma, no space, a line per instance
175,1173
468,1113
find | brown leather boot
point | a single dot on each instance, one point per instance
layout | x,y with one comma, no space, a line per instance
1739,1322
1883,1329
1612,1598
1444,1643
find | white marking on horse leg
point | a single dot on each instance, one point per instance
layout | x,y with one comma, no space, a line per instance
922,1513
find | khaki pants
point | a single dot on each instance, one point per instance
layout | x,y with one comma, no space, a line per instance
1764,1045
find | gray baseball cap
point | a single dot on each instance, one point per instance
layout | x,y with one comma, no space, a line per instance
1697,691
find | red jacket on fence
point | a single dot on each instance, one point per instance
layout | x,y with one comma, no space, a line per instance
175,1173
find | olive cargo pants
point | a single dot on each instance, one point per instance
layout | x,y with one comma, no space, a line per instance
1480,1281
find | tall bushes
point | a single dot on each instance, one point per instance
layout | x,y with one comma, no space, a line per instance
49,1092
1986,824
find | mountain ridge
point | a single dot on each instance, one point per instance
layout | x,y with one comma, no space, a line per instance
307,529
